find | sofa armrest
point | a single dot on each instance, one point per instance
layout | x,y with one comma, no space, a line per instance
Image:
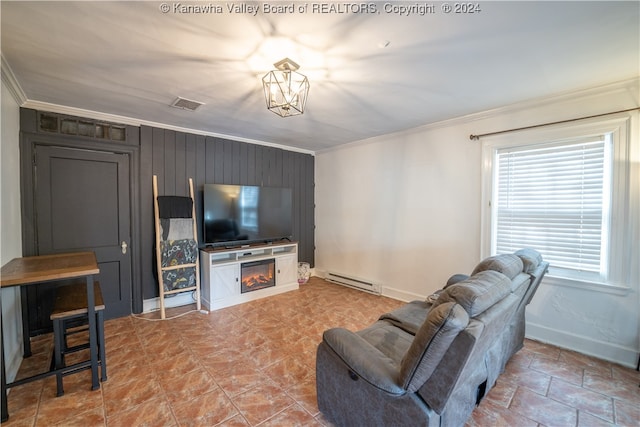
364,360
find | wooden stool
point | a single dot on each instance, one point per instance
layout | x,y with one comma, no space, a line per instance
70,311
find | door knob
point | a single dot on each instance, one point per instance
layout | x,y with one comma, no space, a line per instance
124,247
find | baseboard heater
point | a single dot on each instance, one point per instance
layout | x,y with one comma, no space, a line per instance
352,282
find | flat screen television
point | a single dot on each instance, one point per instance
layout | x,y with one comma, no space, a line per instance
243,214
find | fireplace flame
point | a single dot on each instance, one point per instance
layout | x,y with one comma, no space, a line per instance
258,277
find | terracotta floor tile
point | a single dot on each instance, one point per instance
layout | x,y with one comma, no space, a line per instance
114,342
237,421
268,354
224,360
91,417
626,374
239,366
118,326
247,341
123,372
627,413
619,389
23,402
542,409
576,359
293,416
502,392
156,413
261,403
533,380
587,420
239,379
193,336
162,338
543,350
55,410
584,400
491,414
206,348
125,355
557,369
121,396
36,364
185,387
173,366
19,420
305,394
205,410
287,372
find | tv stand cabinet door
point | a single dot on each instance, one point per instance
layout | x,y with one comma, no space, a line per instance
286,269
225,281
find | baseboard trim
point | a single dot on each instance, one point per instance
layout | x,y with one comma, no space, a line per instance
400,295
178,300
249,296
602,350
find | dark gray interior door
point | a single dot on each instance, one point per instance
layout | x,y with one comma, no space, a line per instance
83,204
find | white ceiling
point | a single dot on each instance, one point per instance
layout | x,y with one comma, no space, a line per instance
130,59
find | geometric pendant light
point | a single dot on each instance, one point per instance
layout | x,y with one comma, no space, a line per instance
285,90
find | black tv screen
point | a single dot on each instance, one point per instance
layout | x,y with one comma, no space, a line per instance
243,214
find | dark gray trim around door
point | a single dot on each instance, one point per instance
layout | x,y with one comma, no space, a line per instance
28,141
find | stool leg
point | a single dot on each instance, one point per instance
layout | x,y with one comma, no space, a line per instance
58,339
102,353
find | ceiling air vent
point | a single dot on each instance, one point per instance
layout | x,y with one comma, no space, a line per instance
186,104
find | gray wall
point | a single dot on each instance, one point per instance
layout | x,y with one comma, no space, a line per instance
175,157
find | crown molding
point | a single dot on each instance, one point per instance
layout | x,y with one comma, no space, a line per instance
9,78
629,86
622,86
12,83
114,118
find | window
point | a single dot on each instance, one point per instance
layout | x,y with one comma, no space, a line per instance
555,198
569,192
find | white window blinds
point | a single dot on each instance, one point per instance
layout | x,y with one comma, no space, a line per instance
552,198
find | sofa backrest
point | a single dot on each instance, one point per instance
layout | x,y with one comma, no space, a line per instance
487,299
431,342
535,267
531,259
508,264
478,292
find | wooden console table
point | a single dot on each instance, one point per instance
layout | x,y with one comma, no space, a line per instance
31,271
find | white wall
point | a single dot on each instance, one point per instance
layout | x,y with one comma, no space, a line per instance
10,231
404,210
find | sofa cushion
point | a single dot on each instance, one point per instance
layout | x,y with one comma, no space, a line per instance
390,340
409,317
508,264
430,344
477,293
455,279
530,258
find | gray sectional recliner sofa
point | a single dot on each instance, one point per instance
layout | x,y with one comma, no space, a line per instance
429,363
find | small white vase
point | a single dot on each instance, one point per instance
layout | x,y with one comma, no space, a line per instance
304,271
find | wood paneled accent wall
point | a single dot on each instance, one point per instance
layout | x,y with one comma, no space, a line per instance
175,157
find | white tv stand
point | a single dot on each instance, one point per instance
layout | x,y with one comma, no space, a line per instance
221,269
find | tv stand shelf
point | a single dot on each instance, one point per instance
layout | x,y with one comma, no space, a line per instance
221,272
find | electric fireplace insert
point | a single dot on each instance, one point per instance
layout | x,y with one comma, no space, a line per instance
257,275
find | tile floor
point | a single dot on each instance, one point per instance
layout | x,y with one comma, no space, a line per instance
254,364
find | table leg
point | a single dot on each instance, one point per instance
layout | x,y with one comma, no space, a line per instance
26,330
5,408
93,339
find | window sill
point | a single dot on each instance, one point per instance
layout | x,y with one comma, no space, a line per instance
587,285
